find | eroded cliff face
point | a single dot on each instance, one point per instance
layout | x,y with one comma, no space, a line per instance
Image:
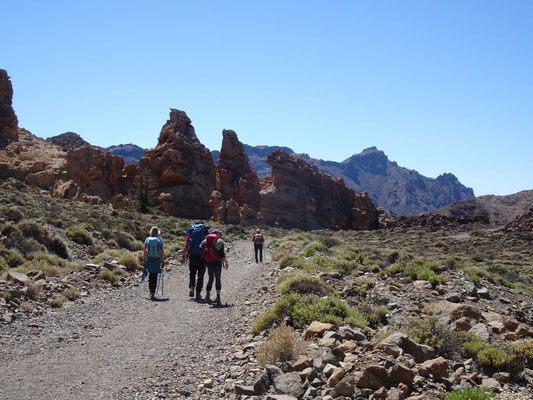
180,169
236,197
95,176
8,119
299,195
32,160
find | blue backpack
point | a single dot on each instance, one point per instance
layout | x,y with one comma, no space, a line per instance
197,234
153,248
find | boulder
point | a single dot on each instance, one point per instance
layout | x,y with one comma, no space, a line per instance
438,368
289,383
420,352
17,277
373,377
456,311
399,373
317,329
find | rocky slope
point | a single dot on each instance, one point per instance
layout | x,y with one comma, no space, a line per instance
499,209
33,160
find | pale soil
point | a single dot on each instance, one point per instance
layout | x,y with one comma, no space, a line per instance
119,344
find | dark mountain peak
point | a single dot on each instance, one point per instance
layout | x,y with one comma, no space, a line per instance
129,152
370,160
67,139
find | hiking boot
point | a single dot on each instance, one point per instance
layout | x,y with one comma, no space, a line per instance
191,292
198,296
152,296
218,302
207,298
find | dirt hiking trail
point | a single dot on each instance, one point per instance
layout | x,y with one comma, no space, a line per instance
118,344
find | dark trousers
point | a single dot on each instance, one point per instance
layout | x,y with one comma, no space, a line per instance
214,270
152,282
196,266
258,248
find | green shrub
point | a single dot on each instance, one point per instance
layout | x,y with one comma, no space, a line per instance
12,214
130,261
446,343
302,310
80,236
12,257
127,241
290,261
109,276
471,394
56,303
494,358
307,285
312,248
329,241
59,247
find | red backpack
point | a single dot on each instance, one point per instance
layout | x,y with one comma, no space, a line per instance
209,252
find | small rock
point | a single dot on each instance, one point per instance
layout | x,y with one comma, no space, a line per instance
317,329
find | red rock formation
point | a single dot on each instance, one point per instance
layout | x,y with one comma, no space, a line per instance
95,176
298,195
237,183
32,160
8,119
181,169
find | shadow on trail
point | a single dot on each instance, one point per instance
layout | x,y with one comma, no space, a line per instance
222,306
157,299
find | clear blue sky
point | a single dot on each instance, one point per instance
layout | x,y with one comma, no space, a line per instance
439,86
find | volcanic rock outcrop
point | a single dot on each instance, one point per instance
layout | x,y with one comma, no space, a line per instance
8,119
95,176
32,160
298,195
180,169
237,186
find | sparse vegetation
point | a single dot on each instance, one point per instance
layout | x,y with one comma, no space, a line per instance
471,394
109,276
80,236
56,303
283,344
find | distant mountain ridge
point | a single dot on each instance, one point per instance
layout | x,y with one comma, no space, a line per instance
129,152
499,209
397,189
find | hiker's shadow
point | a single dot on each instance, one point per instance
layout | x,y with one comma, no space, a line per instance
222,305
158,300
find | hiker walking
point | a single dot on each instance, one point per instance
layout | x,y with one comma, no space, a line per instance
258,241
154,258
195,235
213,252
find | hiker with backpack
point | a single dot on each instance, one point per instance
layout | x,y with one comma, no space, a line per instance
195,235
258,241
213,252
154,258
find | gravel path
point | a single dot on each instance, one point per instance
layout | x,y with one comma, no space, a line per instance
117,344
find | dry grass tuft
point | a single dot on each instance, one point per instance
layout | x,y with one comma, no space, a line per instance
283,344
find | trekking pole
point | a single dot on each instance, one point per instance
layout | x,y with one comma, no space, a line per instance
162,282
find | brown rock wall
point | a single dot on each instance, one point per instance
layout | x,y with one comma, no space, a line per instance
8,119
181,169
95,176
299,195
